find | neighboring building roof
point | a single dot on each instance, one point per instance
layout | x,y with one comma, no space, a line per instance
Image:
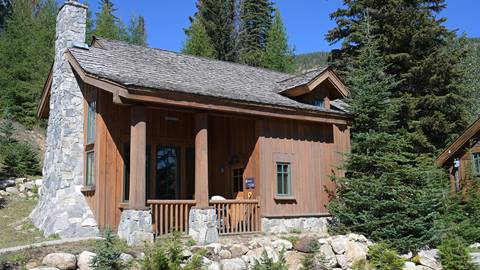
458,144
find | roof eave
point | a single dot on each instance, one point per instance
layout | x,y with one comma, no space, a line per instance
43,107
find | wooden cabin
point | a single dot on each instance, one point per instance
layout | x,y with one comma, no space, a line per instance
167,132
462,158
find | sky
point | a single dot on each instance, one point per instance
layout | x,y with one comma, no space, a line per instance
306,21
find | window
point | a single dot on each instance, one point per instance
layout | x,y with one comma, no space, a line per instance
237,180
476,163
92,104
284,185
89,171
319,102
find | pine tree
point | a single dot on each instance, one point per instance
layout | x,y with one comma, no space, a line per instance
255,22
278,55
218,19
107,25
137,31
388,194
470,83
414,44
26,47
198,43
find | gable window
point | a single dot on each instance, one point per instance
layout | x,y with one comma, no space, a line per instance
318,102
476,163
237,180
284,179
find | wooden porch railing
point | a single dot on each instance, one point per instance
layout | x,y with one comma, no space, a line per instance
169,215
237,216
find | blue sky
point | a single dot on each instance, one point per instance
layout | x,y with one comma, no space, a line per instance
307,21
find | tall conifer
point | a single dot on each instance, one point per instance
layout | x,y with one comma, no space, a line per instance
388,194
137,31
255,22
198,42
278,54
218,19
414,44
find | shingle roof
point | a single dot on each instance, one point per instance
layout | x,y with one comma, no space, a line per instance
300,79
132,65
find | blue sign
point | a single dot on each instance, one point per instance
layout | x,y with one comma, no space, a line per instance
250,183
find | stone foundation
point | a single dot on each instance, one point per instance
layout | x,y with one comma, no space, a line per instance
135,227
304,224
62,208
203,227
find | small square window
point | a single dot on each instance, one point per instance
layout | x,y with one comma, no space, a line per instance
319,103
89,172
284,185
92,104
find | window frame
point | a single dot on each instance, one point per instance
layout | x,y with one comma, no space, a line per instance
89,170
284,158
235,178
286,175
319,102
89,143
476,163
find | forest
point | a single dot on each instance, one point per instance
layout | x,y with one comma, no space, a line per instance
414,83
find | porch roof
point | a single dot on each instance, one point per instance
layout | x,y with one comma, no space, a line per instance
132,65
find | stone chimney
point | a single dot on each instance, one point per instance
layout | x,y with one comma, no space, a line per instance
62,208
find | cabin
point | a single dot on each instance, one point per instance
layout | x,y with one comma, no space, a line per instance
187,142
462,158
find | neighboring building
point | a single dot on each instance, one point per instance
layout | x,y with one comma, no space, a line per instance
140,140
462,158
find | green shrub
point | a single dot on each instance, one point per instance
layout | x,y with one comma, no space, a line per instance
454,254
382,257
167,254
108,252
267,263
313,260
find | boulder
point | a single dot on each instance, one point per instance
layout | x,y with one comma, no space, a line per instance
475,257
306,244
225,254
7,183
282,244
126,257
29,185
326,251
214,248
412,266
85,259
20,180
356,251
339,243
21,188
342,261
12,190
357,237
294,260
62,261
238,250
233,264
44,268
214,266
430,258
38,182
4,193
22,195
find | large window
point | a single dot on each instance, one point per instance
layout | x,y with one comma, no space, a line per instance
237,180
284,179
89,128
476,163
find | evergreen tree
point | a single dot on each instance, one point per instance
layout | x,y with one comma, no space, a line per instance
218,19
198,43
255,22
388,194
471,81
107,25
26,47
5,6
414,44
138,33
278,55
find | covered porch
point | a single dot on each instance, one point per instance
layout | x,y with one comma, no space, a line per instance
178,160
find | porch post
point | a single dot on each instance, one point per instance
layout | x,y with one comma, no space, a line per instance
138,131
136,222
201,160
202,220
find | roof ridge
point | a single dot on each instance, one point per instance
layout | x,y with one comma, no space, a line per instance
318,68
192,56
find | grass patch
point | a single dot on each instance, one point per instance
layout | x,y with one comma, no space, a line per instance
16,229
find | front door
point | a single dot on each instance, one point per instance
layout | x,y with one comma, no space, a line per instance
167,173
